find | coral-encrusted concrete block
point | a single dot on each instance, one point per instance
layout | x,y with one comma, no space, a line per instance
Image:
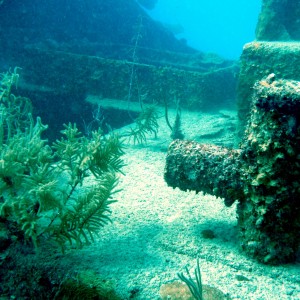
263,175
258,60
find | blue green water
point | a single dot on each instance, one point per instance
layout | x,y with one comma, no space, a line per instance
217,26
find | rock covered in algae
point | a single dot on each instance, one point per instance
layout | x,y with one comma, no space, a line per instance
202,167
263,175
269,219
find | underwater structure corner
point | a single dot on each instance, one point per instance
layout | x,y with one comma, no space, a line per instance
262,175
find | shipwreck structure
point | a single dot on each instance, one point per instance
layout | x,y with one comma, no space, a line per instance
262,175
107,50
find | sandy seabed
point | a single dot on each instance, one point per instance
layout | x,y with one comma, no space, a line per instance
156,231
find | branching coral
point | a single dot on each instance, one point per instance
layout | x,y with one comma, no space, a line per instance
146,123
44,189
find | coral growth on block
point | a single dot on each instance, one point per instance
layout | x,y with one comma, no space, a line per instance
263,175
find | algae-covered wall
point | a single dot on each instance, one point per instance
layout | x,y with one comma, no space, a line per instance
73,74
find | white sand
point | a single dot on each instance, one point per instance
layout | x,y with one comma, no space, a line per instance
156,231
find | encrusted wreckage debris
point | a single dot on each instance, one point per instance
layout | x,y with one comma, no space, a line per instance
262,175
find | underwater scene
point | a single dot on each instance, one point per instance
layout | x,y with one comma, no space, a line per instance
150,149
